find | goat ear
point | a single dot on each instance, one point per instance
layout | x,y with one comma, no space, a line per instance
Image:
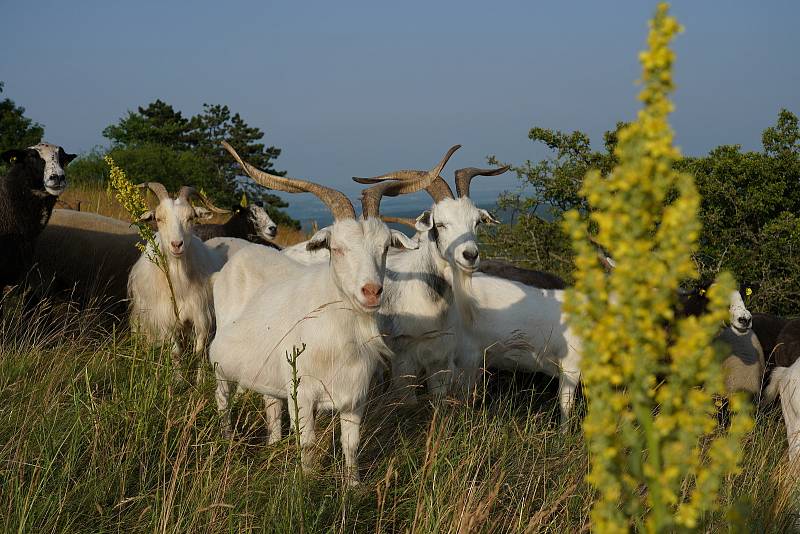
147,216
401,240
424,222
321,239
9,155
69,157
487,218
202,213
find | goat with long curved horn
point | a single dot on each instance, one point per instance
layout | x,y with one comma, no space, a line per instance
156,187
327,310
371,197
465,176
437,188
187,192
405,221
337,202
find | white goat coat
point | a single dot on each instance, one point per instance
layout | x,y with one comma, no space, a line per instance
520,327
300,254
151,306
414,315
342,344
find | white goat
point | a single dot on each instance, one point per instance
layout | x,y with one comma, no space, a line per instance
415,316
518,327
785,381
190,263
329,308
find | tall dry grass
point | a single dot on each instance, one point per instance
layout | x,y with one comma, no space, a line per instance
95,438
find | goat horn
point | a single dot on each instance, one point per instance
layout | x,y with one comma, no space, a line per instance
337,202
437,188
157,188
187,192
405,221
371,197
465,176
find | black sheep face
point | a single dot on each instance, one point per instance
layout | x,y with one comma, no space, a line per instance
695,303
42,165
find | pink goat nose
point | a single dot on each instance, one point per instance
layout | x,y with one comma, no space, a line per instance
372,292
176,244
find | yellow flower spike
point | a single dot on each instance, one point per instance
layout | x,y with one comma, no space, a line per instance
130,198
666,417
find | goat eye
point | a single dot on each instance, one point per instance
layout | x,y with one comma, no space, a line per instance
159,220
441,225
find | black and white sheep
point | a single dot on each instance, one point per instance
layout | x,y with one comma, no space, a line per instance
252,223
27,195
744,366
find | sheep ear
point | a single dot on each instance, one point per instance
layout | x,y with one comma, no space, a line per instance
9,155
424,222
202,213
487,218
147,216
320,240
401,240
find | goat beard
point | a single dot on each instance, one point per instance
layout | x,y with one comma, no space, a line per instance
462,295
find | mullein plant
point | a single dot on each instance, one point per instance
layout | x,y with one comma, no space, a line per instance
129,197
657,455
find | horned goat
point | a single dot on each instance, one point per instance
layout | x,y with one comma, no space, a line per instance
190,264
329,308
417,315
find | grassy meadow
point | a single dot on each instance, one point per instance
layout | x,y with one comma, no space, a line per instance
94,437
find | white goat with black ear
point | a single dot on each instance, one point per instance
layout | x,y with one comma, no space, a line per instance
190,264
417,315
330,308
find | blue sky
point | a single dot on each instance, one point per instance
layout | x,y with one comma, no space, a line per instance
359,88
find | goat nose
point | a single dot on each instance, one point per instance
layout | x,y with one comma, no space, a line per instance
176,244
372,290
470,255
372,294
273,228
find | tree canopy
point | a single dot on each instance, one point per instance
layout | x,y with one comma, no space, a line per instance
158,143
17,130
750,209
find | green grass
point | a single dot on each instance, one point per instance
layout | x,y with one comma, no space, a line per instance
94,438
